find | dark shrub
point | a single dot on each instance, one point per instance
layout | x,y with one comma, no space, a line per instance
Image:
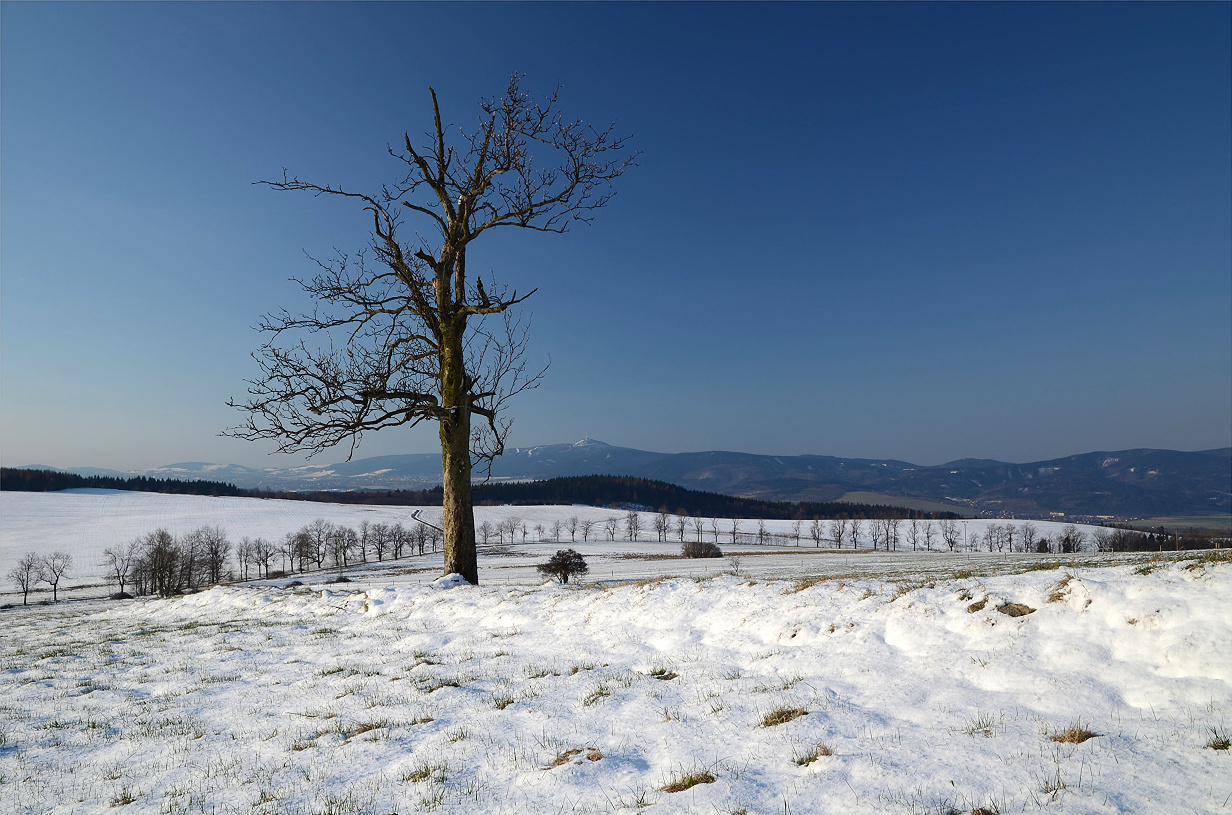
700,549
564,564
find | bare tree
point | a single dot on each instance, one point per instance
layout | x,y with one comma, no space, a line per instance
682,523
572,526
1070,540
699,524
215,550
587,526
262,553
418,341
929,533
913,534
119,561
25,573
1029,532
557,526
855,533
378,540
486,531
633,525
513,523
837,528
892,536
662,524
795,531
992,536
761,531
949,533
52,570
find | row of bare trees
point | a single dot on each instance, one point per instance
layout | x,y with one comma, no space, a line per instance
31,569
880,533
165,564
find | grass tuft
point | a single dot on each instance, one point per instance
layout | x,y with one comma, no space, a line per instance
812,754
681,782
1218,740
1076,733
782,715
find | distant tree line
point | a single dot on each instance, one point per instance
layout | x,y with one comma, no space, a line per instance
621,492
627,492
19,480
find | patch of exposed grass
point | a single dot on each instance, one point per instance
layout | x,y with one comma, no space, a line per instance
782,715
663,673
682,781
124,797
425,771
349,733
1076,733
1061,589
812,754
1218,740
597,695
982,725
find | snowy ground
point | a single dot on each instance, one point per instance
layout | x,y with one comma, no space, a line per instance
395,693
599,698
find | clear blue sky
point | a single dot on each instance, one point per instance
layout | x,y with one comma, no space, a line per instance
922,231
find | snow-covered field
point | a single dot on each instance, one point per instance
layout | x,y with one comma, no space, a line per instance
806,683
592,698
85,522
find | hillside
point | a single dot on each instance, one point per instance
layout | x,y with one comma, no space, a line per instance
1128,483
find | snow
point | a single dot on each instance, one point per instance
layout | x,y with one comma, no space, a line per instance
404,691
389,695
414,698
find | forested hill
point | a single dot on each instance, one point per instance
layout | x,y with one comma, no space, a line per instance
626,491
23,480
622,492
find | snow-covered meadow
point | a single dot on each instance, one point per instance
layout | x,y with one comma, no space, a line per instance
85,522
806,683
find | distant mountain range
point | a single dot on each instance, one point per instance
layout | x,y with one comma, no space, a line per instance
1123,484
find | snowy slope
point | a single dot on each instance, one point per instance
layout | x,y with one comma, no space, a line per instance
530,699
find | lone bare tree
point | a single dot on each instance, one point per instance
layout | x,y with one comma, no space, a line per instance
401,334
25,574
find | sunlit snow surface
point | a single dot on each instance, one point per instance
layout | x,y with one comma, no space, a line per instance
397,694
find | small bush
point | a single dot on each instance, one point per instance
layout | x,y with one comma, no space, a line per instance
564,564
700,549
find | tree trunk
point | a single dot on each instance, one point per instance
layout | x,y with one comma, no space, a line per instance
458,512
457,509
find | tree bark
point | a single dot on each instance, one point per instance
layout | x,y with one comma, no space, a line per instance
458,513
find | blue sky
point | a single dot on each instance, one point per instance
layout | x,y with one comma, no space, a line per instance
913,231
